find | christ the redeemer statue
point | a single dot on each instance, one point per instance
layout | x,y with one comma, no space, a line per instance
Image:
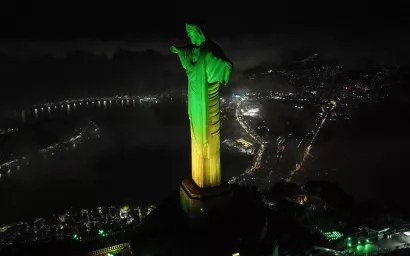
206,68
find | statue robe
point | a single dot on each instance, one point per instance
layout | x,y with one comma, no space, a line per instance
206,70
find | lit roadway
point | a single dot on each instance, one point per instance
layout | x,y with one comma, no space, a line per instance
256,164
257,161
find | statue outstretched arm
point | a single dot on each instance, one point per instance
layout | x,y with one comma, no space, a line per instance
174,49
183,54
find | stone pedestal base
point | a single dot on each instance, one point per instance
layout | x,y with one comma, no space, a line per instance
205,203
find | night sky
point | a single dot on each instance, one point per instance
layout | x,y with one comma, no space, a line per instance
108,21
142,22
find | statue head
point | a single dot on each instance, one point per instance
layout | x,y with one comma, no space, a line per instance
196,34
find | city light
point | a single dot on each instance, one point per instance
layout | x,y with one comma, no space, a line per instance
76,220
251,112
333,235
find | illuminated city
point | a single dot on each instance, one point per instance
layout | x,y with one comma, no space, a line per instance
244,112
82,226
279,131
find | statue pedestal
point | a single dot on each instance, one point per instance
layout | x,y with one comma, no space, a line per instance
205,204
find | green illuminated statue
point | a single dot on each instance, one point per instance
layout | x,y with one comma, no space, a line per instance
206,68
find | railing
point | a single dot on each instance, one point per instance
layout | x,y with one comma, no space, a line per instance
115,248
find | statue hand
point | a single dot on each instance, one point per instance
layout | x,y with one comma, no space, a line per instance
173,49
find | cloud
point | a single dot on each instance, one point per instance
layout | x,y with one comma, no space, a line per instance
245,50
62,48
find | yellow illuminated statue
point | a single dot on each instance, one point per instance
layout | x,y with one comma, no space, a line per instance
206,67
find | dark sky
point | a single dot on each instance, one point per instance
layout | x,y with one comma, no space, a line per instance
54,28
115,21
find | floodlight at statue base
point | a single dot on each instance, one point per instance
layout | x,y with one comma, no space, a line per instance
204,204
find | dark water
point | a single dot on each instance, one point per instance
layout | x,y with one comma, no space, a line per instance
367,155
144,152
283,118
141,157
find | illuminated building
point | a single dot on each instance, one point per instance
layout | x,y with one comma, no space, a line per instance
244,142
251,112
124,212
